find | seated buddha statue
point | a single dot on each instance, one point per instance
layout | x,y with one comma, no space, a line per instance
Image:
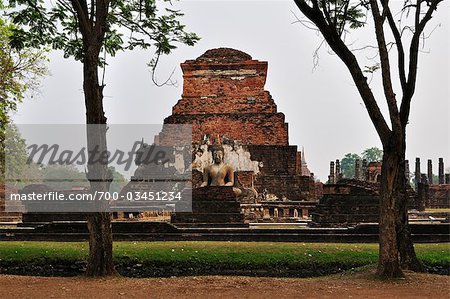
219,173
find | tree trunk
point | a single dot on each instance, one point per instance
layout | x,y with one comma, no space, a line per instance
100,262
396,247
408,258
388,262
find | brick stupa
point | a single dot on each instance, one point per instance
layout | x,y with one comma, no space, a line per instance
223,95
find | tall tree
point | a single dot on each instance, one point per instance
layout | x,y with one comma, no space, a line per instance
335,19
373,154
87,31
20,74
348,165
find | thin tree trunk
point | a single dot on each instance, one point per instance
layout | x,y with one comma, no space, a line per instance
100,262
388,262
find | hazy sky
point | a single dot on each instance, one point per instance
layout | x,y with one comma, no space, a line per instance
322,106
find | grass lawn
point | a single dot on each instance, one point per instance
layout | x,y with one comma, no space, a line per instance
240,254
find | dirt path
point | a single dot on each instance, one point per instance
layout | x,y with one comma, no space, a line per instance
336,286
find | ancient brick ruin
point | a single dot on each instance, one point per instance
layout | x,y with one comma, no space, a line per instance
350,201
432,194
223,95
347,202
6,216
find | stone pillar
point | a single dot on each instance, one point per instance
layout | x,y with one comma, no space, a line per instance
441,171
447,178
423,179
338,170
421,197
364,170
331,176
417,173
357,169
430,172
407,170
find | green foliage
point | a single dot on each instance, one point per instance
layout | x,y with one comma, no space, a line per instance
14,148
373,154
130,24
348,162
20,72
344,14
372,68
348,165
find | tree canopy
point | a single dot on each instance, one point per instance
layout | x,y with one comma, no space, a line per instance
121,25
20,74
373,154
348,165
348,161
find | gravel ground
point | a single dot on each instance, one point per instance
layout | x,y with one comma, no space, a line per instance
359,285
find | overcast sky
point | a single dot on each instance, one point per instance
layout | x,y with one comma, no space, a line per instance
323,109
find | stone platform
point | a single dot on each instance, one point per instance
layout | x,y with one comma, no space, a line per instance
162,231
212,204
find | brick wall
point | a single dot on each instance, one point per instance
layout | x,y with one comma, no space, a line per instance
252,102
268,129
439,196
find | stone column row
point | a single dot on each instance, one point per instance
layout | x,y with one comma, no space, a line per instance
335,172
361,172
442,178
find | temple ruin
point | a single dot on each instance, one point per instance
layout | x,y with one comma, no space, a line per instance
223,95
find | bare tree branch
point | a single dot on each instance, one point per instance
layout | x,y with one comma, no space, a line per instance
385,64
338,46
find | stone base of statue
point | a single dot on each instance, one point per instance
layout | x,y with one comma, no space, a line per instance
211,205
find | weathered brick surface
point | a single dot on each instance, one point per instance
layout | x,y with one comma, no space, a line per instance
276,159
260,102
349,202
223,94
439,196
211,204
258,129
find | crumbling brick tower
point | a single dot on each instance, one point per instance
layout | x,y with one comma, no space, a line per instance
223,94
